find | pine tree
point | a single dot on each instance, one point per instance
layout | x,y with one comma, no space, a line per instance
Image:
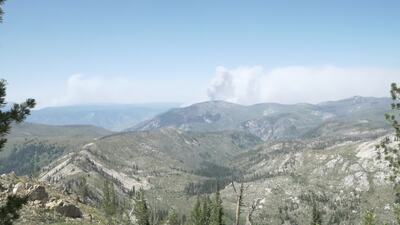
397,213
110,201
132,192
196,214
389,147
217,212
17,114
172,218
316,214
369,218
9,210
206,211
141,209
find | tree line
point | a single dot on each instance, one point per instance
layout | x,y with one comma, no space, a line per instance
206,210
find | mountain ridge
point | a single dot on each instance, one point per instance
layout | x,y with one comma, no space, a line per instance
221,115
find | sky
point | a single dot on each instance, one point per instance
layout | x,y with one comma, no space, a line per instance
126,51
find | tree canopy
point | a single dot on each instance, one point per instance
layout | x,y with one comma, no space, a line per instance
17,113
389,148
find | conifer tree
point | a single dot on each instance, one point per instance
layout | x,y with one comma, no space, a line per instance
206,211
217,212
172,218
316,214
391,146
17,113
9,211
369,218
141,209
110,202
196,214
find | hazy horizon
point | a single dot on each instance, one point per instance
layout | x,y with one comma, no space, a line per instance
182,105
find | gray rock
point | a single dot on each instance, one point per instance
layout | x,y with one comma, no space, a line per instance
18,188
38,192
66,209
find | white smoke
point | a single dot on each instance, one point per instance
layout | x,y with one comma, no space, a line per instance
81,89
249,85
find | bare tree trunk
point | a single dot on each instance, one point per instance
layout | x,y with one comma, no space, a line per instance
249,218
239,201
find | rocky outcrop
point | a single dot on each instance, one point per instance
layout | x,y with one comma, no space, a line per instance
18,188
65,208
38,193
40,196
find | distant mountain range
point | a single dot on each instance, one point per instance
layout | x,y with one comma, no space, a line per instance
272,120
112,117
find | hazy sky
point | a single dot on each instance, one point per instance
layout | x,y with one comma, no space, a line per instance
125,51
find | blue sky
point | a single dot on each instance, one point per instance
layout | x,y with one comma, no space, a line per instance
151,51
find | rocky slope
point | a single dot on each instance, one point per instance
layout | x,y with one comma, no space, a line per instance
345,179
33,146
162,161
47,205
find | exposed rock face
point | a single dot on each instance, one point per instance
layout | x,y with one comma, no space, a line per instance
59,208
18,188
65,208
38,192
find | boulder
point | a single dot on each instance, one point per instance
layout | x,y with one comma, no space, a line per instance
65,208
38,192
37,202
18,188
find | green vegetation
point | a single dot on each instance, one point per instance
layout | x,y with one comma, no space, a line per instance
316,214
369,218
207,212
196,216
142,212
9,211
217,211
217,178
110,201
389,145
389,148
18,112
30,157
172,218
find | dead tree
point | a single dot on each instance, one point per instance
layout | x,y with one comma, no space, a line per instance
253,207
239,201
